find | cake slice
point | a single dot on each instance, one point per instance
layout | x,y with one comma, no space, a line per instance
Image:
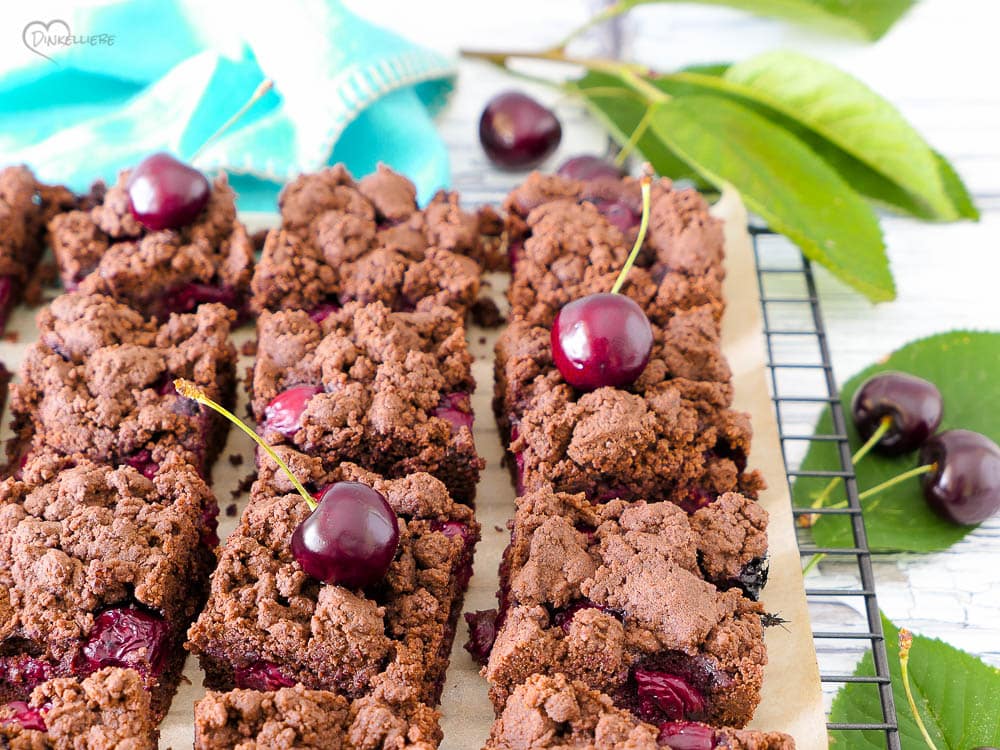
553,712
300,719
268,624
342,240
99,567
640,601
103,249
389,391
98,384
108,710
570,238
26,205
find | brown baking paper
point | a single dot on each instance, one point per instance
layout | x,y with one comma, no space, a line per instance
792,699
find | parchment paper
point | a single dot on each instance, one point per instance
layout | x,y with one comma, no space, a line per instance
792,698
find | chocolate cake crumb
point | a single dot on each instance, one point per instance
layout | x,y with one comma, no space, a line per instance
231,510
485,313
235,459
249,348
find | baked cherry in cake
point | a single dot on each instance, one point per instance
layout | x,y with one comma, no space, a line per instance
588,167
166,193
284,412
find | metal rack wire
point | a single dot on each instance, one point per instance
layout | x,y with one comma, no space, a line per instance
797,344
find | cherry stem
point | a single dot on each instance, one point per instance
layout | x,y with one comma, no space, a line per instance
916,472
813,562
861,452
189,390
266,85
646,182
905,643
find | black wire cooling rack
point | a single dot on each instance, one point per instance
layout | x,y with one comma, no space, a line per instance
802,384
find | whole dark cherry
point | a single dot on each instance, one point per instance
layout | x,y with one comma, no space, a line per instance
517,132
965,485
350,538
601,340
284,413
165,193
587,167
913,404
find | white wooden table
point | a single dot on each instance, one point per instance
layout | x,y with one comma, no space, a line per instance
939,66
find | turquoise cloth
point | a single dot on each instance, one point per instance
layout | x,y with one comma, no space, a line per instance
344,90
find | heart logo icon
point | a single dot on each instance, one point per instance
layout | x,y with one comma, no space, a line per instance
39,36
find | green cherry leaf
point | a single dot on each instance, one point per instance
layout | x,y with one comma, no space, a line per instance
867,19
854,129
963,365
621,112
782,180
956,694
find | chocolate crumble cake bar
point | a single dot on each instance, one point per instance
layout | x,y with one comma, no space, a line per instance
26,205
100,567
569,238
103,249
389,391
108,710
268,624
99,384
368,241
556,713
300,719
641,601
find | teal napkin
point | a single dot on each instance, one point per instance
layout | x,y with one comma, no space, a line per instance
344,90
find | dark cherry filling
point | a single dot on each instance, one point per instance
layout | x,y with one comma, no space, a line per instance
670,686
686,735
184,298
696,499
482,633
322,311
456,409
261,675
26,716
514,250
6,297
284,413
142,461
618,214
24,671
563,618
126,637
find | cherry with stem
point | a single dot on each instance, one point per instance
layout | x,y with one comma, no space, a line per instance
605,340
351,536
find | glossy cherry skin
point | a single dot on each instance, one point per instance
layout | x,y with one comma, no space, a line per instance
165,193
27,716
517,132
587,167
351,537
601,340
965,487
284,413
913,404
